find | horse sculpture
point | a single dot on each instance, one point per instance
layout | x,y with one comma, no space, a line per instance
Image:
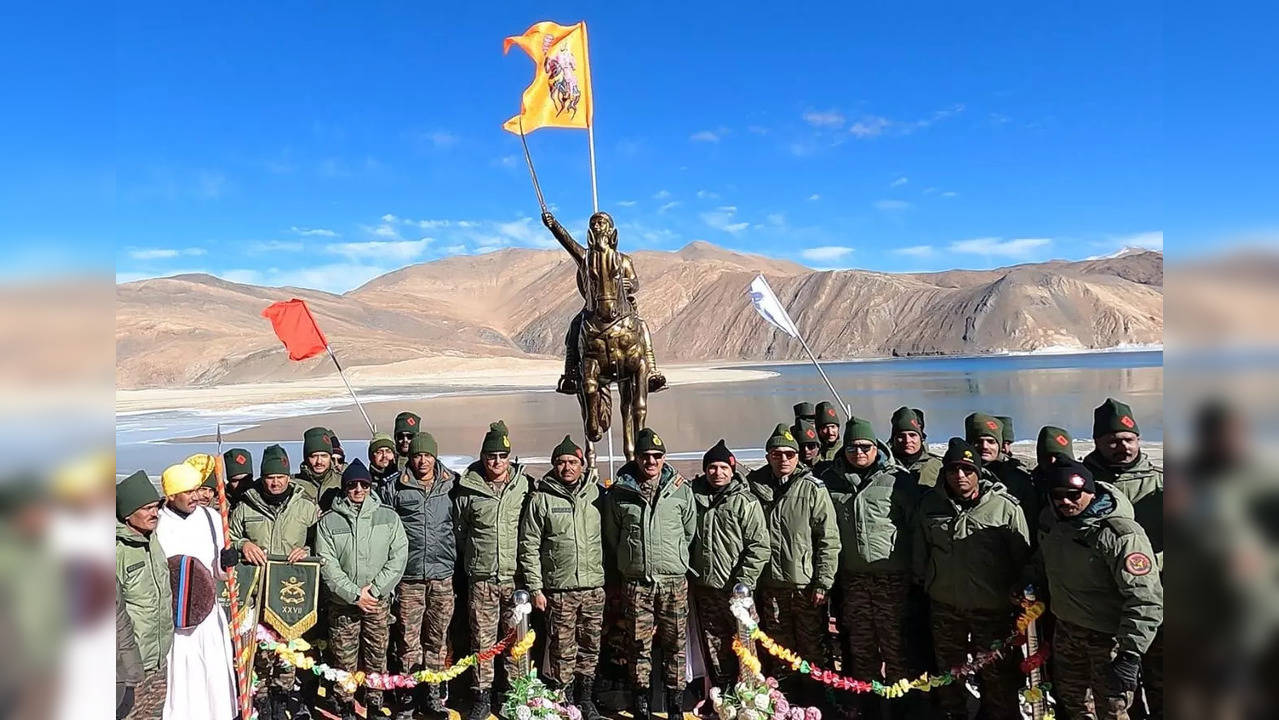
607,343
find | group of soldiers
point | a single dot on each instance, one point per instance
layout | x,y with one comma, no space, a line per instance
920,560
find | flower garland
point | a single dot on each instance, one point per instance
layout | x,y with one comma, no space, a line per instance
740,608
757,698
522,647
530,699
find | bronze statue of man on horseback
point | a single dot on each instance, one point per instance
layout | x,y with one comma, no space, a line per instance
607,342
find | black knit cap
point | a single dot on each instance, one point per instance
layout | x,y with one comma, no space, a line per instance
959,452
1064,474
566,447
719,453
827,414
337,445
1113,416
649,441
356,471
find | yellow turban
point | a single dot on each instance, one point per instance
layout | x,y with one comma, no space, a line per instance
205,463
180,478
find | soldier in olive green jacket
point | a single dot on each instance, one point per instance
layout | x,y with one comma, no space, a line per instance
649,519
803,549
562,553
318,475
730,547
970,550
142,574
364,550
488,503
1103,587
910,447
874,501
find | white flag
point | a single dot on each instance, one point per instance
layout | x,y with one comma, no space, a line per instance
767,304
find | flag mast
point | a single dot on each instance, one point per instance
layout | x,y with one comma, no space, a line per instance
772,310
348,389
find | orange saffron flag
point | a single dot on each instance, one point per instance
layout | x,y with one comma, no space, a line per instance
560,95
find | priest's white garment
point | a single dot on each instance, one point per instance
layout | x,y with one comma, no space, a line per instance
201,678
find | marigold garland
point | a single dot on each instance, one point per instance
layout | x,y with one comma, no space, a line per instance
522,647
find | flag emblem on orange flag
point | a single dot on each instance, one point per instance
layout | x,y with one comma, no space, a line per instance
560,94
296,328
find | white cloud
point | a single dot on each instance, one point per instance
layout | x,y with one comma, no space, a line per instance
394,250
870,126
268,246
661,194
705,136
776,219
824,118
385,230
626,203
1014,248
892,205
722,219
524,233
453,249
930,190
814,196
1153,240
950,194
244,277
163,253
312,232
707,195
915,251
826,253
668,206
899,181
389,218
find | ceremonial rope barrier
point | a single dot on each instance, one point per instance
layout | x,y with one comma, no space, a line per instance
924,683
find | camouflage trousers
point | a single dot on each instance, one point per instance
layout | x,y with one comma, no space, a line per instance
657,610
492,616
874,621
575,619
149,695
718,628
788,616
423,609
272,671
1081,660
616,646
956,634
358,641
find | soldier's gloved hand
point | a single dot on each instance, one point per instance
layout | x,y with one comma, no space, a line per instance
228,558
1122,675
547,218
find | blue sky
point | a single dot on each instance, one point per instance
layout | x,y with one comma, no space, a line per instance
321,144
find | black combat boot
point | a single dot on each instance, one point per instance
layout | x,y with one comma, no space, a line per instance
404,702
639,704
481,706
674,704
434,701
586,697
569,694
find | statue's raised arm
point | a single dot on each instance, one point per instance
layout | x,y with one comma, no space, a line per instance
566,241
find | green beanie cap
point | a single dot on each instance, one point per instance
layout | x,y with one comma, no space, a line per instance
1006,423
132,493
805,431
859,429
566,447
781,437
274,461
827,414
1053,441
497,439
238,461
315,440
380,440
1113,416
407,422
649,441
424,442
805,410
979,424
908,419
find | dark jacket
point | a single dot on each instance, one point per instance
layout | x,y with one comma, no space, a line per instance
488,522
876,512
561,537
731,544
802,530
1143,484
428,521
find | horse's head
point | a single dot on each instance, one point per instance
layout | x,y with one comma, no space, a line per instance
601,232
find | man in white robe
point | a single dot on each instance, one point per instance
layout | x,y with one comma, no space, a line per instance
201,676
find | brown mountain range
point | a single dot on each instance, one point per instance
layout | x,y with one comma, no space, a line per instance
201,330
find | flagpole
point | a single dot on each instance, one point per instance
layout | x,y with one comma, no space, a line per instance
847,410
590,118
764,296
595,198
348,389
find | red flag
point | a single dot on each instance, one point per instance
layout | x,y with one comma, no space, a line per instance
295,327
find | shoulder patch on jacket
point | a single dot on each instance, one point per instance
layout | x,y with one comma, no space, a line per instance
1137,563
679,479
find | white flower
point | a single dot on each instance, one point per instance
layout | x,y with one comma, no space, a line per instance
762,701
748,714
715,695
523,713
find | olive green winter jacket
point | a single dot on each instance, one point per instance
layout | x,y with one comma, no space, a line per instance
875,511
649,541
924,469
731,544
561,541
1143,485
802,529
1101,572
322,489
971,556
488,522
360,546
275,529
142,571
